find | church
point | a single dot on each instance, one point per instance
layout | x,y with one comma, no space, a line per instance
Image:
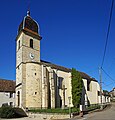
41,84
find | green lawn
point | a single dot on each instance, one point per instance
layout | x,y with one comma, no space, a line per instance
63,111
57,110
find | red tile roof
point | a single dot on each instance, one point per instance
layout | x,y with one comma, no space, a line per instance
7,85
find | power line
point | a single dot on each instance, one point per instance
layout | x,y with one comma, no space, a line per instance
108,84
111,83
108,75
107,36
108,31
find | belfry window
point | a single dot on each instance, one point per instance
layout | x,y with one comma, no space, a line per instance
31,43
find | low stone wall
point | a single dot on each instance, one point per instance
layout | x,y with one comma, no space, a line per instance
48,116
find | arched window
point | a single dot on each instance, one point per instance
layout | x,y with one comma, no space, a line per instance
31,43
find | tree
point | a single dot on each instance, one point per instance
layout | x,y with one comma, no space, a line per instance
77,85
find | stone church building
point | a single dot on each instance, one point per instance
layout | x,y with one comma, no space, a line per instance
41,84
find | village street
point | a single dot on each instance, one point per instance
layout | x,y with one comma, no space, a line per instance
108,114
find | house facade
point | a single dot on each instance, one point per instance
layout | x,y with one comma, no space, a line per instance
112,94
106,97
7,92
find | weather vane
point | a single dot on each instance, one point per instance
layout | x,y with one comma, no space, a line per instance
28,8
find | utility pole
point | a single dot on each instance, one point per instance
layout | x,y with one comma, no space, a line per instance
100,75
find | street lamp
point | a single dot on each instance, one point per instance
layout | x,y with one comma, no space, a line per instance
69,98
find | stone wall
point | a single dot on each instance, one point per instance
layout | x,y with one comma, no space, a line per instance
33,85
48,116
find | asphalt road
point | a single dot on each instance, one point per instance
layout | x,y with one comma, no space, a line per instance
107,114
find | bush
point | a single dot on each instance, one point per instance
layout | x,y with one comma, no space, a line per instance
9,112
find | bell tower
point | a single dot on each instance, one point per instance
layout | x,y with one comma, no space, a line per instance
28,74
28,41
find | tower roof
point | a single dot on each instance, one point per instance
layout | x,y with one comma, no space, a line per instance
29,24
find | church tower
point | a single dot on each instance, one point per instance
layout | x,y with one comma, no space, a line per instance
28,68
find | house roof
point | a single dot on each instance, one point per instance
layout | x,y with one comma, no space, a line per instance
7,85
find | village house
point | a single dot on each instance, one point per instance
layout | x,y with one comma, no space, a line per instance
112,94
7,92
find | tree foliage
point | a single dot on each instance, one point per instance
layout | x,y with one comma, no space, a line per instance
77,85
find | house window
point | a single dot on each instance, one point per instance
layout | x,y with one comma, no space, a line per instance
18,44
11,95
31,43
11,103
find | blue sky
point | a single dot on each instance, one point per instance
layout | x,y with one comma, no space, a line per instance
73,35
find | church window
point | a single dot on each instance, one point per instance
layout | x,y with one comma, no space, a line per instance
35,93
31,43
18,44
18,95
88,85
60,82
35,73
